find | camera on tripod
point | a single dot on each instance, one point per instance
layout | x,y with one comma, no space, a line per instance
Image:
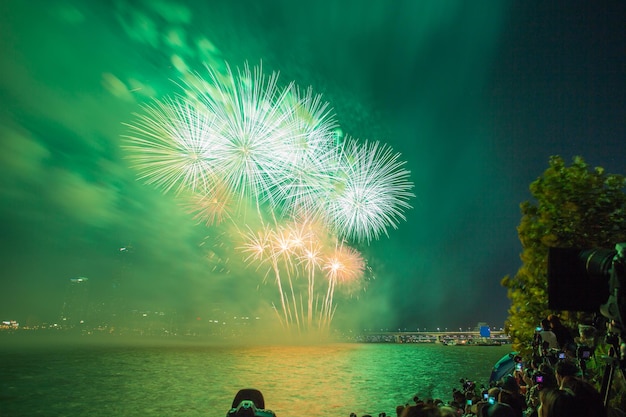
593,280
589,280
249,402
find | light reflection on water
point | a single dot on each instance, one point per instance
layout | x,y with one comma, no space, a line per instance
328,380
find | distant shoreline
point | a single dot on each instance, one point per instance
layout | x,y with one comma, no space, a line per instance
34,340
40,340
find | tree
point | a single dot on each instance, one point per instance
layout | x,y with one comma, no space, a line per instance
574,207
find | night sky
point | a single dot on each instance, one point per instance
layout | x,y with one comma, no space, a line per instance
476,96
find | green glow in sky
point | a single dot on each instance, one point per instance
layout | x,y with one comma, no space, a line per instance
475,96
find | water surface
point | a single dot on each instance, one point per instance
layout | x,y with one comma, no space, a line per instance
196,380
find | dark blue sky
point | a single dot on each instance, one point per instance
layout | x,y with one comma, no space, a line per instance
476,97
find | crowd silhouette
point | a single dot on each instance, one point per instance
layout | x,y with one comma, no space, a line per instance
550,383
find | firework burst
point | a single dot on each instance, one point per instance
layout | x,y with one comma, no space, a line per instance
172,145
235,140
211,206
344,264
295,254
314,156
253,128
370,194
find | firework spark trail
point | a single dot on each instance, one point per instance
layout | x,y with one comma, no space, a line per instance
307,235
305,248
259,245
344,264
282,249
311,259
277,247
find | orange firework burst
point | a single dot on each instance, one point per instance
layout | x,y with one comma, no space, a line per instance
210,207
344,264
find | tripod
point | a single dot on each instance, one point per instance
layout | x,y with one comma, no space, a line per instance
615,360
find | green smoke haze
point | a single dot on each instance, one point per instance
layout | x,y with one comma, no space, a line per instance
475,96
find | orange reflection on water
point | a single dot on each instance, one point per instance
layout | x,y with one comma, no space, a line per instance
299,379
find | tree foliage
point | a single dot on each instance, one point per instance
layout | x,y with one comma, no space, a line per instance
574,206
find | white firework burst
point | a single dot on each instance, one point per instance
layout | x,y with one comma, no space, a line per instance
313,157
172,145
371,193
252,131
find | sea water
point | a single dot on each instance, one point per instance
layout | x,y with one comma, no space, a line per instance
202,380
